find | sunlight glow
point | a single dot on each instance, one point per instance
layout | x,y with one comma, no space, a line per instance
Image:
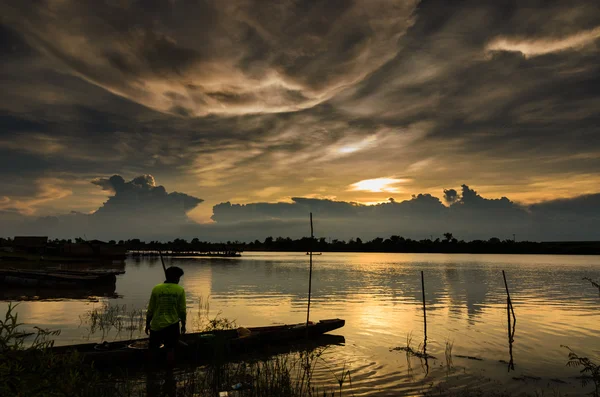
544,46
347,149
378,185
351,147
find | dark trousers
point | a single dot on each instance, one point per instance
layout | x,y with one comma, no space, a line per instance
169,336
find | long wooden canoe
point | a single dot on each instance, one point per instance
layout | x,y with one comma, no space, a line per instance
200,347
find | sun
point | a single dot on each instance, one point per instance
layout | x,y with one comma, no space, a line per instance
378,185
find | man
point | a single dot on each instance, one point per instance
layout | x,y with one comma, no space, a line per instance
165,310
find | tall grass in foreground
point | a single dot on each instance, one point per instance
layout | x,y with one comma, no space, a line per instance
590,371
32,370
122,322
287,375
117,319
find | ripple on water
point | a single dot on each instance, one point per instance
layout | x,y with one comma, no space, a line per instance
379,296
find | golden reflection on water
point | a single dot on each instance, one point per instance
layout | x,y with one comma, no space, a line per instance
379,296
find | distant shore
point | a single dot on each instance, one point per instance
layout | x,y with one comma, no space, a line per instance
392,244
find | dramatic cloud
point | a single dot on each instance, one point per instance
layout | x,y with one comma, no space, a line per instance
136,208
140,197
450,196
542,46
141,210
210,57
261,104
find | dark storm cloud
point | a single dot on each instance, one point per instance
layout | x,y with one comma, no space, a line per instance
318,96
498,101
422,205
141,197
209,57
450,196
584,206
470,216
131,213
136,207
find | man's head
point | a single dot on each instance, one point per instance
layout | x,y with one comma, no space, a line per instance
173,274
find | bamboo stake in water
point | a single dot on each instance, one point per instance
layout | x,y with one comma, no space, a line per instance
511,364
508,296
163,263
309,273
424,312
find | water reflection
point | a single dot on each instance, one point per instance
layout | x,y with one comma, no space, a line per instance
380,297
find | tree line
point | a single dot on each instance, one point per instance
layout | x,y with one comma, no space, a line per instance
447,244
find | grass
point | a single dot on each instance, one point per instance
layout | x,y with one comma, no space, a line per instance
122,322
448,353
117,319
30,369
594,283
410,352
590,371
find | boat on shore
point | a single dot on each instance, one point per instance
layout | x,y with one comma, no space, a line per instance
201,347
57,278
11,293
41,250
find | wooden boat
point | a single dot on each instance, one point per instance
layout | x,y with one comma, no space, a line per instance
200,347
46,294
320,253
57,278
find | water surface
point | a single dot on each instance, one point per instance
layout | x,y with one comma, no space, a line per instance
379,296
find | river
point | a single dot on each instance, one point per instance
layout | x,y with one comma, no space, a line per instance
379,295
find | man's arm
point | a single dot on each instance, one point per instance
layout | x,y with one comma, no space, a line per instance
150,311
182,311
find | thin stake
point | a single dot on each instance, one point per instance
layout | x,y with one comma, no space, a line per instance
508,295
424,312
511,364
163,263
309,273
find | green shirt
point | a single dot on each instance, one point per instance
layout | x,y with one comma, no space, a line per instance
167,306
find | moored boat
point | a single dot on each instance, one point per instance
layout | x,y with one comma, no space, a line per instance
201,347
57,278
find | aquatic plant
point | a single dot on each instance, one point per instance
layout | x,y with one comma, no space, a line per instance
448,353
203,322
595,284
11,338
28,368
410,352
117,318
589,370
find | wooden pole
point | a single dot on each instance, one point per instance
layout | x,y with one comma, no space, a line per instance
163,263
508,296
309,273
424,311
509,333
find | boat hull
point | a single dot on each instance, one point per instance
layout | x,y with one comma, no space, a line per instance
55,279
200,347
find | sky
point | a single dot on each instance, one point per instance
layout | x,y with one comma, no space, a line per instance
234,120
